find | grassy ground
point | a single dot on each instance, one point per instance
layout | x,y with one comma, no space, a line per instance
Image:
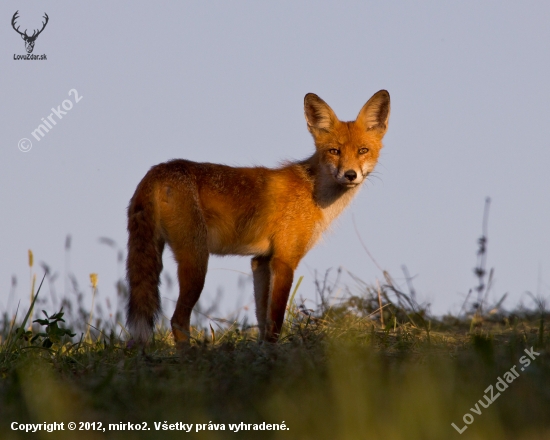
338,373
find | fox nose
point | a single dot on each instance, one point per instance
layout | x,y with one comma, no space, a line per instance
350,175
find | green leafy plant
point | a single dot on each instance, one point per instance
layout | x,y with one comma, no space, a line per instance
53,333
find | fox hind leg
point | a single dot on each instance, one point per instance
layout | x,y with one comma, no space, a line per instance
191,274
187,236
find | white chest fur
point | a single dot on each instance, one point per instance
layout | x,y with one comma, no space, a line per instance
331,207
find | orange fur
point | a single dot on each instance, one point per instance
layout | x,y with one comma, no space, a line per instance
275,215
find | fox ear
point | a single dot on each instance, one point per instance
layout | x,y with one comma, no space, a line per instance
319,115
375,113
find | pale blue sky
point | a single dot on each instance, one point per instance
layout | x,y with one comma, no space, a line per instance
224,82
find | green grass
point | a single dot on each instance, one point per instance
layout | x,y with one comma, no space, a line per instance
336,374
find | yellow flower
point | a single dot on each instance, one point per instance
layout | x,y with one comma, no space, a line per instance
93,279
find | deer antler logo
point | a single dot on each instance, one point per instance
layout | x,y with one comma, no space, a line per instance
29,40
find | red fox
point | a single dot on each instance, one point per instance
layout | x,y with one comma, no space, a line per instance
274,215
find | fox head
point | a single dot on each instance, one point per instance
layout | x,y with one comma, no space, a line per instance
348,151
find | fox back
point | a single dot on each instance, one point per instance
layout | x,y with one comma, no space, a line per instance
274,215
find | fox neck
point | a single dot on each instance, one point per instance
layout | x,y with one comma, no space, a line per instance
329,195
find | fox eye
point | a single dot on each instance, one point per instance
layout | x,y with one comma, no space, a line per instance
334,151
363,150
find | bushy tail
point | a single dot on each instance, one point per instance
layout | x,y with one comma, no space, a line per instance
144,264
